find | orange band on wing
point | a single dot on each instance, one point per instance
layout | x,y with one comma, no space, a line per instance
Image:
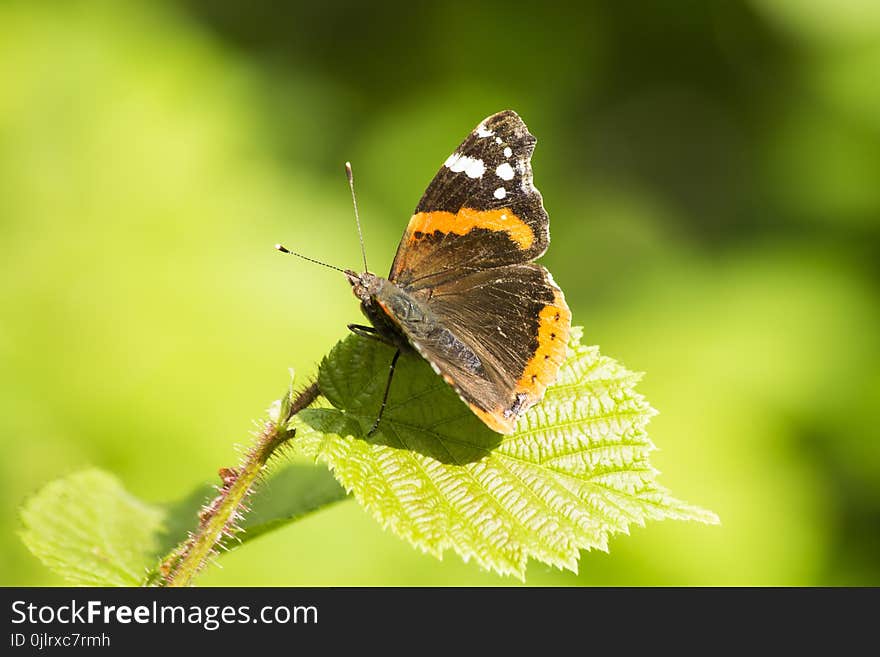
541,370
466,219
553,330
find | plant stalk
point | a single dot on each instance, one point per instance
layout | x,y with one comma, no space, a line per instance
219,518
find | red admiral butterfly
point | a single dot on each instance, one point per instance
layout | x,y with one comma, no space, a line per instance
464,291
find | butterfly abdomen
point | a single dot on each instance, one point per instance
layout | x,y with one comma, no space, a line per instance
413,319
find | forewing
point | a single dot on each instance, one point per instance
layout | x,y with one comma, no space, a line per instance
481,209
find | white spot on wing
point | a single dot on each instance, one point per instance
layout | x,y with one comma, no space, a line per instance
473,168
497,140
482,132
504,171
508,152
500,193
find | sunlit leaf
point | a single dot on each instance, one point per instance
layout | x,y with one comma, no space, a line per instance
575,472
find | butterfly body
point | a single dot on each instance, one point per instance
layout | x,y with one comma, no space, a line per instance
406,322
464,291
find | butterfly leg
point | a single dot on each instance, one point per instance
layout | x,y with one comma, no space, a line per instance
385,396
369,333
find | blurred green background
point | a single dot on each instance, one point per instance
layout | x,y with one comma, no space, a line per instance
712,173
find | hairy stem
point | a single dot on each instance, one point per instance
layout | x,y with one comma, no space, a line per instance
218,519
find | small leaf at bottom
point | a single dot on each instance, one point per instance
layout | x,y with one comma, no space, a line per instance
87,528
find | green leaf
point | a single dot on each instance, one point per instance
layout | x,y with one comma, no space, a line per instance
87,528
575,472
90,530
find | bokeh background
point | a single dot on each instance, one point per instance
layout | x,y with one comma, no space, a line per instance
712,173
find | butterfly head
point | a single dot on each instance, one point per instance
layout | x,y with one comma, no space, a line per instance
364,285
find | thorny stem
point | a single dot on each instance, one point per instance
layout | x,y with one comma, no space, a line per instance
218,519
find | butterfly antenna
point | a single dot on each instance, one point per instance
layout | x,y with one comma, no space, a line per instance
284,249
354,202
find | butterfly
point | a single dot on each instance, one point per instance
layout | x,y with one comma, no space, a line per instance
464,291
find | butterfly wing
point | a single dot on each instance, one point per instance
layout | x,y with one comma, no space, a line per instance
498,336
465,292
481,210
